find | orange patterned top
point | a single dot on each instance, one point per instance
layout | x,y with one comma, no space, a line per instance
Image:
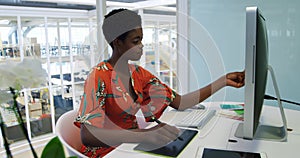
107,104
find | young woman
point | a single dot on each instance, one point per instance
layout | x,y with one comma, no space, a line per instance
115,90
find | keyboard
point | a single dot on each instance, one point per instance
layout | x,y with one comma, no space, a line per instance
196,118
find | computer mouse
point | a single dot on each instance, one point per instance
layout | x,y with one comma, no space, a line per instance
198,106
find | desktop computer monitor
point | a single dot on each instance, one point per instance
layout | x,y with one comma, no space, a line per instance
256,72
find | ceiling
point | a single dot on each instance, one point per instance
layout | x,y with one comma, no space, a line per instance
157,5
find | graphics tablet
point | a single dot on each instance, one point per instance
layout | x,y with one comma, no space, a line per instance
172,149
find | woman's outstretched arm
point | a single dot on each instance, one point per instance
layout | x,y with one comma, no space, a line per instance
234,79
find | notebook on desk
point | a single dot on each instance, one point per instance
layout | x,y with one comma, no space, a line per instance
172,149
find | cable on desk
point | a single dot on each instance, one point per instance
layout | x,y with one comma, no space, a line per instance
268,97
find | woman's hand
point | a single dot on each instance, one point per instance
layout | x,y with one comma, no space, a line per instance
154,137
235,79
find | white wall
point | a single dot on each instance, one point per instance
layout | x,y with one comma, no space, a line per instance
217,44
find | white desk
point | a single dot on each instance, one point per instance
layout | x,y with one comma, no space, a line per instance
220,129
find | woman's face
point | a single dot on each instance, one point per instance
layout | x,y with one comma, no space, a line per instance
132,47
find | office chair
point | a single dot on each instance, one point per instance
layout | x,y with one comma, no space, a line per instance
69,134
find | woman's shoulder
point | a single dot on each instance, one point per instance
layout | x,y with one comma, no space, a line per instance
103,66
101,70
139,70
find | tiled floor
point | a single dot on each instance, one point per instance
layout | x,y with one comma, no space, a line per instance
28,154
23,151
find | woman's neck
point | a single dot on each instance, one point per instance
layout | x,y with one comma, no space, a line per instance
120,65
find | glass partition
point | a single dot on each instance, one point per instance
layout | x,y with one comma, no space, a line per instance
9,43
160,50
66,49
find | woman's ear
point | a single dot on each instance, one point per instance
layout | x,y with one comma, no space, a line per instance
115,42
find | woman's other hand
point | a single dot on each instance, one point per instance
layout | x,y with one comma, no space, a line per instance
235,79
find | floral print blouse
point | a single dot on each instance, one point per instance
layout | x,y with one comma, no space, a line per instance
107,104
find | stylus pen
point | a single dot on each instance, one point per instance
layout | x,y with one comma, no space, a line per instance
159,122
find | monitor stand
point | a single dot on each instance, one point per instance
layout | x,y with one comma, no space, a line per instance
268,132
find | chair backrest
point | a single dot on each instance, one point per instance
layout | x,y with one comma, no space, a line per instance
69,134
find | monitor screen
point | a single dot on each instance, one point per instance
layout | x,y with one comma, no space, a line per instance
256,68
256,72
